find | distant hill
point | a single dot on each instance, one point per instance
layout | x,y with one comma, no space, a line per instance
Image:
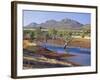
63,24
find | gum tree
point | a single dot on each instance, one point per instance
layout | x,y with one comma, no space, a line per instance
68,38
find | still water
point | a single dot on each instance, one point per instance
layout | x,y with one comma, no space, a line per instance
83,55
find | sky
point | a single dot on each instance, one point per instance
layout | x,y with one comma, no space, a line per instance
42,16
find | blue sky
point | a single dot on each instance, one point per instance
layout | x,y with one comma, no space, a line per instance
42,16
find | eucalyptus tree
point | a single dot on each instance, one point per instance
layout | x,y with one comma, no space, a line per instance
86,30
38,33
52,32
68,38
32,35
45,36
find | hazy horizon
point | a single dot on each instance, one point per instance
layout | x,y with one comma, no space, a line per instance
43,16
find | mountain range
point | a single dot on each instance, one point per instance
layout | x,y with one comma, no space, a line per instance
62,24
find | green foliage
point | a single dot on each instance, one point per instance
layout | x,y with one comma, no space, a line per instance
26,31
59,33
38,32
68,37
85,32
45,36
32,35
52,32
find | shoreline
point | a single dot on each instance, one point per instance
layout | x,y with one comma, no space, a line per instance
76,42
41,53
